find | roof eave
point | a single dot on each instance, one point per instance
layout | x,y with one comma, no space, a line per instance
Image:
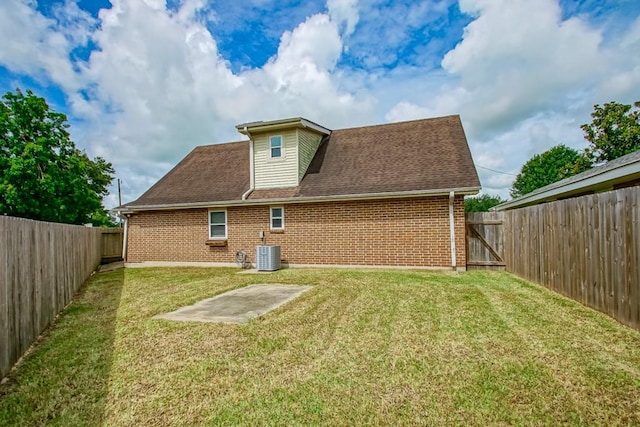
296,122
595,182
463,191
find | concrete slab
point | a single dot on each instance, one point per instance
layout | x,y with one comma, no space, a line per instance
239,305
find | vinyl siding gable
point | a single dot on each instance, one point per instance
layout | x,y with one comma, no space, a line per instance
276,173
308,143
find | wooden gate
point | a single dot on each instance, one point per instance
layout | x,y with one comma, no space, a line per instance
111,244
485,241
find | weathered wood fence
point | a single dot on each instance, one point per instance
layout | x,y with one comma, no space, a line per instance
111,244
587,248
42,265
485,248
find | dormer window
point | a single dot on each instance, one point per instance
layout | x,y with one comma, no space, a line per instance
275,146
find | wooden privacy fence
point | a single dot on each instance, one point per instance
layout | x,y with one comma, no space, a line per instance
587,248
111,244
485,249
42,265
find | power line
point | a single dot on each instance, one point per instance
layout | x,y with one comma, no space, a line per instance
497,171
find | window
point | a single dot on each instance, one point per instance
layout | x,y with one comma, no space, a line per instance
277,218
275,147
217,224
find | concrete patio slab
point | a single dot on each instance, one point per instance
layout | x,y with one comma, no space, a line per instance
239,305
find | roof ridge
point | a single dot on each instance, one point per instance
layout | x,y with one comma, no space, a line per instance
220,143
402,122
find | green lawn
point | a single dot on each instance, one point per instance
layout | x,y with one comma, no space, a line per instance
376,347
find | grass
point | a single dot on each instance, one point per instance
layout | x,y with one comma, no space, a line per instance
379,348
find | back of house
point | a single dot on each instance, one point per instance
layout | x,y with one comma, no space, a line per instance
383,195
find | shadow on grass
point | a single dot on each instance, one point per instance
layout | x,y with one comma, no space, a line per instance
64,379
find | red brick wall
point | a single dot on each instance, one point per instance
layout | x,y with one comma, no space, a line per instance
398,232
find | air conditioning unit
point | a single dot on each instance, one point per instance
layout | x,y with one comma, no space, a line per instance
268,258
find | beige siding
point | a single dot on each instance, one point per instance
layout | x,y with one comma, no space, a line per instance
308,143
276,173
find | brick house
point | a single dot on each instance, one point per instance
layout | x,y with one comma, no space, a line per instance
385,195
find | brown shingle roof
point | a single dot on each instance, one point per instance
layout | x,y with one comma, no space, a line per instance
209,173
421,155
428,154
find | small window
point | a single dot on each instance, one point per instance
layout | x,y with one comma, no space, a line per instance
217,224
275,147
277,218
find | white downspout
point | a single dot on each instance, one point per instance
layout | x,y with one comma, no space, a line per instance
452,231
251,168
125,238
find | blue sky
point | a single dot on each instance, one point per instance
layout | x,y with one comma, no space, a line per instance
144,81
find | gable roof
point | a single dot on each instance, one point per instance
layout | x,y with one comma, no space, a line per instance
600,178
419,157
208,173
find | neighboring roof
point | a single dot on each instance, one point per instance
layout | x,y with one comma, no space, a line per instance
419,157
256,127
600,178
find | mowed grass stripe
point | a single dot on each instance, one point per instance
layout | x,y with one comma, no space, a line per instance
362,347
587,353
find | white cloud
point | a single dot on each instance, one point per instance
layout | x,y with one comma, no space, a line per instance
158,85
522,78
519,56
40,46
345,14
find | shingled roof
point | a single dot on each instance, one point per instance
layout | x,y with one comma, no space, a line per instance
209,173
415,157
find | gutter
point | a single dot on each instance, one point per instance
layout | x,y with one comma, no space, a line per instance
452,231
125,238
313,199
251,166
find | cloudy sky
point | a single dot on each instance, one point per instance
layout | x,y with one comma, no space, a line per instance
144,81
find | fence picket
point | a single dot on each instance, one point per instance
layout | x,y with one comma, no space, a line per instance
587,248
42,265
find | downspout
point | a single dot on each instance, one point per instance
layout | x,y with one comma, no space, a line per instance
452,231
125,237
251,167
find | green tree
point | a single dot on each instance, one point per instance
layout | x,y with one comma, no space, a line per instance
614,131
543,169
42,174
481,203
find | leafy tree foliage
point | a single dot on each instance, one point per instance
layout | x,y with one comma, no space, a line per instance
614,131
42,174
543,169
481,203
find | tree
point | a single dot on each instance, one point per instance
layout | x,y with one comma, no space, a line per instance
543,169
42,174
481,203
614,131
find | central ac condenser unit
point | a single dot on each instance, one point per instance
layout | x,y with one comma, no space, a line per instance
268,258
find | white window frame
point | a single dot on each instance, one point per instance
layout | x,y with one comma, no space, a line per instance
271,218
217,223
281,147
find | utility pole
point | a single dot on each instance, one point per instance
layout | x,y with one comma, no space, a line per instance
119,198
119,193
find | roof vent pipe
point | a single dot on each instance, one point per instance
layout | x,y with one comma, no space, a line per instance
452,231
